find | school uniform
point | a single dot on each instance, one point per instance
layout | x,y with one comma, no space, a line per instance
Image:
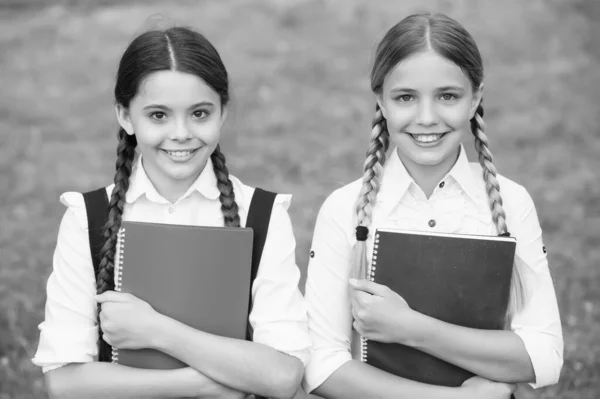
459,204
69,333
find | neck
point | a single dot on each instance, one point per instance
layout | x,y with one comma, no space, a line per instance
427,177
169,188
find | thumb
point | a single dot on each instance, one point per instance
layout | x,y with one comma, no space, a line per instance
111,296
369,287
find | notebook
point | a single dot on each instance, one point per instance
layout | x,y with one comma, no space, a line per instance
197,275
460,279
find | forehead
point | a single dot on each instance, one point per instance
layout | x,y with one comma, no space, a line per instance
426,71
175,89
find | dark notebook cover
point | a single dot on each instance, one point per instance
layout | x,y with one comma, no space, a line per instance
460,279
197,275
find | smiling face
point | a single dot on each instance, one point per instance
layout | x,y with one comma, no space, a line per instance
428,102
176,118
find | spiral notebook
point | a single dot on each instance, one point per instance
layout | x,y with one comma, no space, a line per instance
461,279
197,275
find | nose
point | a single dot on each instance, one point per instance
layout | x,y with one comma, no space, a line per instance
180,132
426,114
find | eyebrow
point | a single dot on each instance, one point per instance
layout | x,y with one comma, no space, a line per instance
443,88
165,108
450,88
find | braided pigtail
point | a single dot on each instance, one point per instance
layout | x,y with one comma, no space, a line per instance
105,277
373,170
228,205
517,292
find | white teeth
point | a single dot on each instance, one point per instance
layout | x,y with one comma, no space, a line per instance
427,138
178,153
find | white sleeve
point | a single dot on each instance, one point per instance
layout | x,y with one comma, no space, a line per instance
69,332
327,295
278,316
538,323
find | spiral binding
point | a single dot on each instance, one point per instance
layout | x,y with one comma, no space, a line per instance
371,277
120,247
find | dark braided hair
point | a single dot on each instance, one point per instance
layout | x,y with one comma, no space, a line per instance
440,33
179,49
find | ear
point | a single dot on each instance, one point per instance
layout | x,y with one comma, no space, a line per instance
477,96
224,112
379,98
124,118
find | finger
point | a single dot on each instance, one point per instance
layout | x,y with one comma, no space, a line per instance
357,327
363,299
369,287
113,296
107,339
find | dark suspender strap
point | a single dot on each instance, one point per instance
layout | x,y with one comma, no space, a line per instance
258,219
259,216
96,207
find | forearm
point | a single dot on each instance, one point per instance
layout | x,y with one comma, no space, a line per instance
243,365
498,355
106,380
357,380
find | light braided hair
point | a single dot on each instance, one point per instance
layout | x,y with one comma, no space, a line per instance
417,33
517,296
180,49
371,182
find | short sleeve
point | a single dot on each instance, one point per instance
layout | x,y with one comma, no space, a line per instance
69,333
538,322
278,314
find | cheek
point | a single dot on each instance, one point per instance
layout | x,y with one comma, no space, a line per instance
209,132
399,117
458,116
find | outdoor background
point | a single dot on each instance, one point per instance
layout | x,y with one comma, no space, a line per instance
300,125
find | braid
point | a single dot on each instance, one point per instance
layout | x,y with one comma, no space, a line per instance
105,277
373,169
517,292
489,171
228,205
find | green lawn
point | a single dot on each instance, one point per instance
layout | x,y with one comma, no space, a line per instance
300,124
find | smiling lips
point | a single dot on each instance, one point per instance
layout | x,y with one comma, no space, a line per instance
179,153
427,138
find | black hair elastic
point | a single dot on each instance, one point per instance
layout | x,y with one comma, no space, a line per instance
361,233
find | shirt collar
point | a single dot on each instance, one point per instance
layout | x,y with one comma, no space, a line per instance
396,179
462,173
140,184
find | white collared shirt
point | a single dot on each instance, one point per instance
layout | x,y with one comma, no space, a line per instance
69,332
459,204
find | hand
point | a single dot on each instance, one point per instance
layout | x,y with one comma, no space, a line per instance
127,321
481,388
380,314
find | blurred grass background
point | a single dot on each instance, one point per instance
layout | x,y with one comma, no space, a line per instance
300,125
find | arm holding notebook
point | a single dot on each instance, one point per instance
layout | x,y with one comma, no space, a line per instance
332,372
69,335
381,316
107,380
270,366
531,351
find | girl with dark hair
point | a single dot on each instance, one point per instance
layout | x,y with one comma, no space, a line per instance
427,78
171,101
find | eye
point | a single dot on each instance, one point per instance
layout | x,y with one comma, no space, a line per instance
200,114
404,97
448,97
158,116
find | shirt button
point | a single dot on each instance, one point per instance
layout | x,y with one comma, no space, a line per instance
442,184
431,223
171,209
